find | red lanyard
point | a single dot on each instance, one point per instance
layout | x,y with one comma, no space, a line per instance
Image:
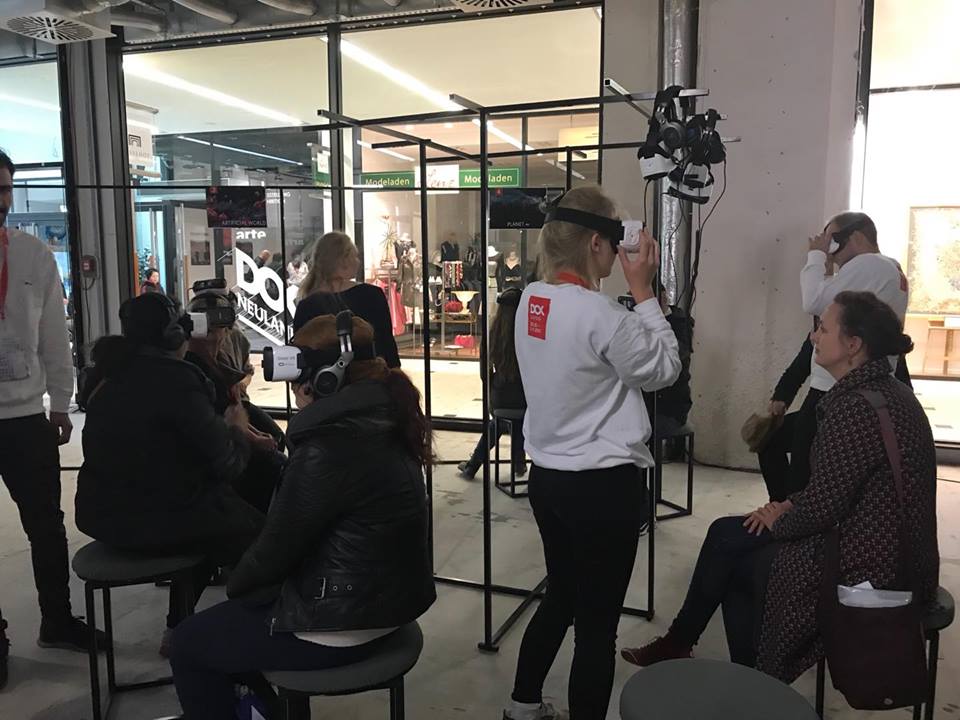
567,277
5,272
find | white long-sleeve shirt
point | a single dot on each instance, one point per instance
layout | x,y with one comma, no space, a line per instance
35,318
584,360
870,272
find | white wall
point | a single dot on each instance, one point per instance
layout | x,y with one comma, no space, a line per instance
785,73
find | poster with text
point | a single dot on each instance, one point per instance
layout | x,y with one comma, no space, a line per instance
236,207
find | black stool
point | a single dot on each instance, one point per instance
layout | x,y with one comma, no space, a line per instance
939,617
384,671
709,690
510,417
102,568
686,433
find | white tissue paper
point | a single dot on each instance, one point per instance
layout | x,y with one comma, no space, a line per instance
865,596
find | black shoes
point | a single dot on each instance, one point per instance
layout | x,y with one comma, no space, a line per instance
72,635
4,653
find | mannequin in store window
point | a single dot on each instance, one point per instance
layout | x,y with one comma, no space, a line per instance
510,271
449,249
411,283
331,285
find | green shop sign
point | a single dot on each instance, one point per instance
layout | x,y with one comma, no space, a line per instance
406,180
496,178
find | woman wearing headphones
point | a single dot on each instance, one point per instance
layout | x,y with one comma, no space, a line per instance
584,361
181,500
343,560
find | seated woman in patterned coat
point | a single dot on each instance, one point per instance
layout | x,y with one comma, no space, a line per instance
765,571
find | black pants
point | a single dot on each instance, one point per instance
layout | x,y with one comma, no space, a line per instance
212,649
30,466
590,525
731,571
782,475
517,453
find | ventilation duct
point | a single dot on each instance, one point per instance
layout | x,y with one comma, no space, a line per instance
51,22
481,5
211,10
126,18
299,7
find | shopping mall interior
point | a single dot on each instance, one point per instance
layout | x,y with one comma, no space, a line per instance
380,118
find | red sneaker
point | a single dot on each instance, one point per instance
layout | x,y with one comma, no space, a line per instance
658,650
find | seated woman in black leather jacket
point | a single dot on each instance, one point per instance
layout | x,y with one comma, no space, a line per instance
181,500
343,560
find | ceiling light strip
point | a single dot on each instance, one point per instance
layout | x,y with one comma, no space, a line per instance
238,150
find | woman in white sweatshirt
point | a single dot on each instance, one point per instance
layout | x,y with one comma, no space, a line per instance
584,361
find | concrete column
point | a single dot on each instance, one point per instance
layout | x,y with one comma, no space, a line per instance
786,74
95,155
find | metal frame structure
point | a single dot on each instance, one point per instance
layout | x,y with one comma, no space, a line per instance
484,114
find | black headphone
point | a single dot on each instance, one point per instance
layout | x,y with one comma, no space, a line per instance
328,379
670,127
174,334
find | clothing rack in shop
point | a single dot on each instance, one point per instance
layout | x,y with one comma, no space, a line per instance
483,115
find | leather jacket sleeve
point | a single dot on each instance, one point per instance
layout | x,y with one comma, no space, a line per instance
311,495
224,450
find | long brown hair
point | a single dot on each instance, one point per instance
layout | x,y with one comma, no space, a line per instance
503,351
320,333
330,252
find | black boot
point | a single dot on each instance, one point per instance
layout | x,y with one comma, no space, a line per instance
467,470
71,634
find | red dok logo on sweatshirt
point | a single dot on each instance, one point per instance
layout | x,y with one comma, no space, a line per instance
538,310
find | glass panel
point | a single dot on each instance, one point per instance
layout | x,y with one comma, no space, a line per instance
917,212
914,43
382,77
30,114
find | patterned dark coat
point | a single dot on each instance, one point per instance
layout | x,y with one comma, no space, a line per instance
851,485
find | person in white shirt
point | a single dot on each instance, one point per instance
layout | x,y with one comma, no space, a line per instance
584,362
848,241
35,359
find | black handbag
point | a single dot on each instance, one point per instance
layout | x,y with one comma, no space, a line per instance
876,656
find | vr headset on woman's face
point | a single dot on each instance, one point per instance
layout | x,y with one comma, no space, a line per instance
323,370
618,232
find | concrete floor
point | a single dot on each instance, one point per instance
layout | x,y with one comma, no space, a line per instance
452,679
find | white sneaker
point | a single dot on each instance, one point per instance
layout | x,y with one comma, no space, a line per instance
531,711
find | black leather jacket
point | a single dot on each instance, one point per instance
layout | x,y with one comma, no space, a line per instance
345,543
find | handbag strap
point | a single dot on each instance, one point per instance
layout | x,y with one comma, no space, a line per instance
878,402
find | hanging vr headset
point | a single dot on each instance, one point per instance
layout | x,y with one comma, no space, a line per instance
665,134
323,371
693,179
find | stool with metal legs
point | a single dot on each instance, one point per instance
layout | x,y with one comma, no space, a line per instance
103,568
511,417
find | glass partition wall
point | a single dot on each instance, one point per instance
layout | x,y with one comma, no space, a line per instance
240,115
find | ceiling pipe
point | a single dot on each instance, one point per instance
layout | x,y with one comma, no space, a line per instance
92,6
211,10
394,3
300,7
127,18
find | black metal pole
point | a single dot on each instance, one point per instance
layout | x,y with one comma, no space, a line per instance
569,168
488,642
428,405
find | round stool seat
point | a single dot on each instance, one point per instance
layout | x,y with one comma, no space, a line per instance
508,414
396,656
709,690
940,614
99,562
